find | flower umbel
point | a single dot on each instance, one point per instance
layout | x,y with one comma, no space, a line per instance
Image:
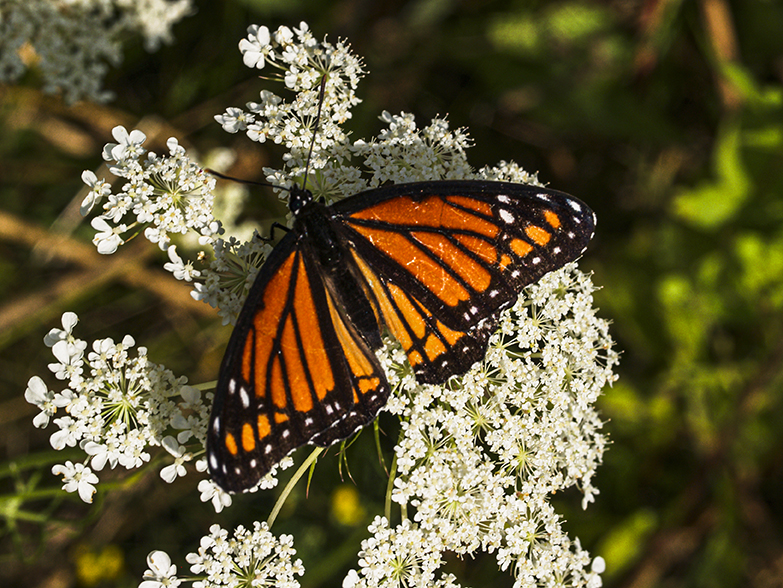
301,62
248,558
399,556
163,196
478,457
117,407
75,41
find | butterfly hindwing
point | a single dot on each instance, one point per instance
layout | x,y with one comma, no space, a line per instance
435,351
297,370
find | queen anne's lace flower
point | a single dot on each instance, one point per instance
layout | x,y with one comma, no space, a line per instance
77,478
399,556
161,573
253,558
117,406
167,195
478,457
75,40
47,401
301,62
181,270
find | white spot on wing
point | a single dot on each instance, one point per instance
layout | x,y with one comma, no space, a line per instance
244,397
506,216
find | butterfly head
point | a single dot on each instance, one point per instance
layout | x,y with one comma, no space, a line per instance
299,198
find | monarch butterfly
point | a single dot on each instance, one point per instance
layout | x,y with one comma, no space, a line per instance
432,263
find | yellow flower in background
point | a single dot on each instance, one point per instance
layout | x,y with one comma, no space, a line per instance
346,507
94,567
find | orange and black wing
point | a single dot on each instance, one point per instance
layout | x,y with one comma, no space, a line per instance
442,259
297,370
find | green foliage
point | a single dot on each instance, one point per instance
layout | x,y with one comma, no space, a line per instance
713,203
625,543
626,110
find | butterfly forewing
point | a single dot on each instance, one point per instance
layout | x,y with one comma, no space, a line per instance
296,371
444,258
432,263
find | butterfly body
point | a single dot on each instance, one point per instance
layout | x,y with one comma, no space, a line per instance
431,263
319,235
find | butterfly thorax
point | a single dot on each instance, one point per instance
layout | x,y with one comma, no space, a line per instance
313,225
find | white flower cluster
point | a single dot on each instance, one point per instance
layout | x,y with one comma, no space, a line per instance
403,153
116,407
400,556
248,558
479,457
71,41
302,63
171,195
230,275
166,194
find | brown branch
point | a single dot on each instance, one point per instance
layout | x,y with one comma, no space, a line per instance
719,25
93,270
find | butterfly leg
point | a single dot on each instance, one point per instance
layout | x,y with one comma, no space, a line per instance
275,225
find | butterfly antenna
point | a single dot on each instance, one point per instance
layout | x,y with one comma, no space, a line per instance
317,122
241,181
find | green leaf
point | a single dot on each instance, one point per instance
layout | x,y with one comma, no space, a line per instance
714,202
625,542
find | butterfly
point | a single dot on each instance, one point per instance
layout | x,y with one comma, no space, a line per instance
431,263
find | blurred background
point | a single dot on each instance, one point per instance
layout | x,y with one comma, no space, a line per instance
665,116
